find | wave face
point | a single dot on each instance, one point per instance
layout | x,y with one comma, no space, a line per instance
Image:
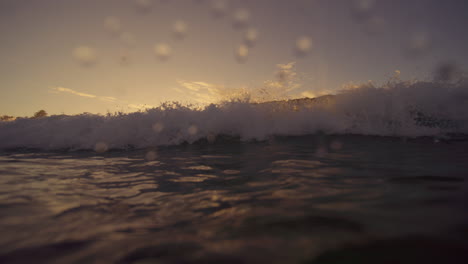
408,109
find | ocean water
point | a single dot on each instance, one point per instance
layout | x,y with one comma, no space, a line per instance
294,199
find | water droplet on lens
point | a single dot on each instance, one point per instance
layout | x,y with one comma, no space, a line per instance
180,29
447,72
112,25
374,25
211,138
125,58
418,45
241,18
151,155
158,127
250,37
143,6
336,145
101,147
85,55
363,9
163,51
303,46
192,130
219,8
242,53
321,152
128,39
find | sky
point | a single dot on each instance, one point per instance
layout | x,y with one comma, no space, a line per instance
99,56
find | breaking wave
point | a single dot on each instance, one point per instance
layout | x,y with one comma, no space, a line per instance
398,108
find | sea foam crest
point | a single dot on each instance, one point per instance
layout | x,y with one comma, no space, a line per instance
398,108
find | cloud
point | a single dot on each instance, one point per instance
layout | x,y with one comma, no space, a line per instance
198,86
68,90
313,94
287,66
201,92
140,106
108,99
285,80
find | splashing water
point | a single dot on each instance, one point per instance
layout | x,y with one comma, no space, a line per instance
395,109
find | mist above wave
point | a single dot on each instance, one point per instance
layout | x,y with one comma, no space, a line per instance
397,108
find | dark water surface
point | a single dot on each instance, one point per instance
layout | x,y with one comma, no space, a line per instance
312,199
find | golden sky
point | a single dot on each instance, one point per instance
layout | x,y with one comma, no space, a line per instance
96,56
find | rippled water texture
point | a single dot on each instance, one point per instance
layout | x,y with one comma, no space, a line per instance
287,200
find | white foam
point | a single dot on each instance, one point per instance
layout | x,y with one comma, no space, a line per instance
396,109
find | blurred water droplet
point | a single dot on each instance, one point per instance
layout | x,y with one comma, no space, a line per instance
363,9
418,45
192,130
447,72
101,147
158,127
250,37
151,155
303,46
163,51
124,59
215,197
242,53
112,25
374,25
143,6
305,7
219,8
180,29
128,39
241,18
321,152
85,55
336,145
211,138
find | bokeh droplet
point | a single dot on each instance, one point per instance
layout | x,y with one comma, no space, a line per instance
112,25
128,39
303,46
180,29
101,147
250,37
219,8
192,130
143,6
241,18
158,127
85,55
163,51
151,155
242,53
